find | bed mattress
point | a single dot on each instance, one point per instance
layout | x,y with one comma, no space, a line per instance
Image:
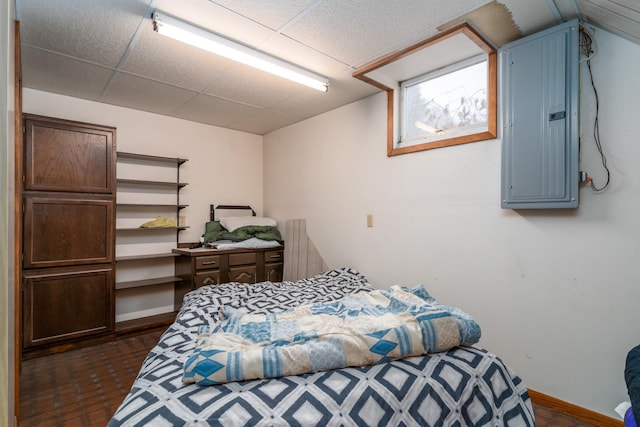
459,387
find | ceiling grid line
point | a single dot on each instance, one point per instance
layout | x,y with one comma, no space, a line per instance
145,19
106,51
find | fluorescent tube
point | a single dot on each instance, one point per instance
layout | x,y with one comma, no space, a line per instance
187,33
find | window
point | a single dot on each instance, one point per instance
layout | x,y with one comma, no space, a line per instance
451,102
441,92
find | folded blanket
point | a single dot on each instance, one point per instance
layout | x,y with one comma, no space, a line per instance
252,243
160,222
215,231
362,329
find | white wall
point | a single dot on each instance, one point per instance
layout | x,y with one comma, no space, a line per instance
7,179
556,292
224,167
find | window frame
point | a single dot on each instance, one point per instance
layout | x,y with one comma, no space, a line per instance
367,74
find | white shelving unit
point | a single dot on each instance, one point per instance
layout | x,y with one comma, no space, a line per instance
148,187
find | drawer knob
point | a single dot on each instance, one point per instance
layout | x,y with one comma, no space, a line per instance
209,262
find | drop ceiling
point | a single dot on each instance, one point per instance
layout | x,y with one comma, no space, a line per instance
107,51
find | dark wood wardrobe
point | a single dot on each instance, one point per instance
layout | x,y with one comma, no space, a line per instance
68,212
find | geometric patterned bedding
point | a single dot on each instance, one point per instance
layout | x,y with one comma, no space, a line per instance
463,386
361,329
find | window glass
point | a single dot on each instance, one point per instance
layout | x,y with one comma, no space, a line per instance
451,102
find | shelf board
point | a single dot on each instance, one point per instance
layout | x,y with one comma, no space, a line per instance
151,183
147,282
149,322
148,256
151,228
145,157
149,205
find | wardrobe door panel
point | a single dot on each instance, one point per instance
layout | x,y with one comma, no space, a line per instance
63,304
68,156
61,231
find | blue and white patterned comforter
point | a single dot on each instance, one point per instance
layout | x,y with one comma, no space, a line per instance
459,387
361,329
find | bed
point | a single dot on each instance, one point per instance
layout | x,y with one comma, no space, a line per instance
464,385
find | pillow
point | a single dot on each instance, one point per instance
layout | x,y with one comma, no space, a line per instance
233,222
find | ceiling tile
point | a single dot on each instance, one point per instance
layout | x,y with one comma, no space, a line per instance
292,51
147,95
308,105
250,86
217,19
50,72
95,30
214,111
273,14
263,122
355,34
161,58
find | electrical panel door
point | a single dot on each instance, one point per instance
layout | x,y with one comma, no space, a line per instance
540,146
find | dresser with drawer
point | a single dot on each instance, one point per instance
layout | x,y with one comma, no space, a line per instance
202,267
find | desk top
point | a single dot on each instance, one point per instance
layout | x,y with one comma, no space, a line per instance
212,251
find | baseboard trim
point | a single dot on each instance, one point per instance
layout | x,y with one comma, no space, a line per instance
574,411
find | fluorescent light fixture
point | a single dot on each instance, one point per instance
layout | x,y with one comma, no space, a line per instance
190,34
